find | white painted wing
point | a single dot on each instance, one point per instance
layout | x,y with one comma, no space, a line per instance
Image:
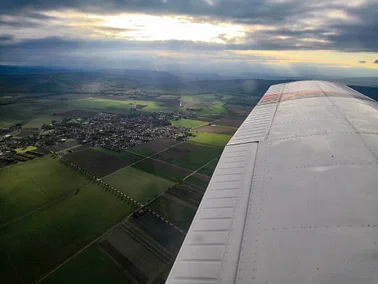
294,198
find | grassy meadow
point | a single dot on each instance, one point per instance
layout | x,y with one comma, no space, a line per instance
29,185
207,138
138,184
177,213
91,266
100,103
41,241
189,123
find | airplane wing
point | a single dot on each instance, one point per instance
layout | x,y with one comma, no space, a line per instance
294,198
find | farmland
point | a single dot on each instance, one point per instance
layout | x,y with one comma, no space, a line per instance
187,193
139,185
39,242
101,103
217,129
160,231
189,123
215,109
233,122
209,168
91,266
198,180
66,145
41,120
19,112
28,185
161,169
175,212
153,147
130,250
189,155
27,149
135,140
141,246
100,163
219,140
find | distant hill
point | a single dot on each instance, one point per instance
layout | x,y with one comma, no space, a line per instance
371,92
97,82
124,81
238,86
29,70
364,81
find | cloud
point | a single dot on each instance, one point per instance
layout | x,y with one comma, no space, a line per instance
376,61
169,55
362,61
4,38
283,25
80,33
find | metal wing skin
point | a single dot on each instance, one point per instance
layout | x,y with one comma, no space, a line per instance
294,198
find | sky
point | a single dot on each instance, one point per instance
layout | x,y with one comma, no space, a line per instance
229,37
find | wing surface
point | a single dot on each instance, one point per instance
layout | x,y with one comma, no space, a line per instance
294,198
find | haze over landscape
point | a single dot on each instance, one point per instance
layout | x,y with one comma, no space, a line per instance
244,38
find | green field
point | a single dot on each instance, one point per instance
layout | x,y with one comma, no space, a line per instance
198,98
100,103
189,123
91,266
41,120
198,180
139,185
29,185
37,243
189,155
153,147
27,149
141,151
208,138
215,109
122,155
178,214
163,170
19,112
209,169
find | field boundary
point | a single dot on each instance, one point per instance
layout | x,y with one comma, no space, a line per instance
116,263
164,162
205,145
44,206
118,224
145,158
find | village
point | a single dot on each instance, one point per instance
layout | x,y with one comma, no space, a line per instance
112,131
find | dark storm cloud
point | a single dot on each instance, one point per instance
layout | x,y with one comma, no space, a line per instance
362,61
376,61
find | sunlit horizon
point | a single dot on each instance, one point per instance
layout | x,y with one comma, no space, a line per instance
324,35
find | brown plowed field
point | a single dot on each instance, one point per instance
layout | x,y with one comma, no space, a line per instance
230,122
217,129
